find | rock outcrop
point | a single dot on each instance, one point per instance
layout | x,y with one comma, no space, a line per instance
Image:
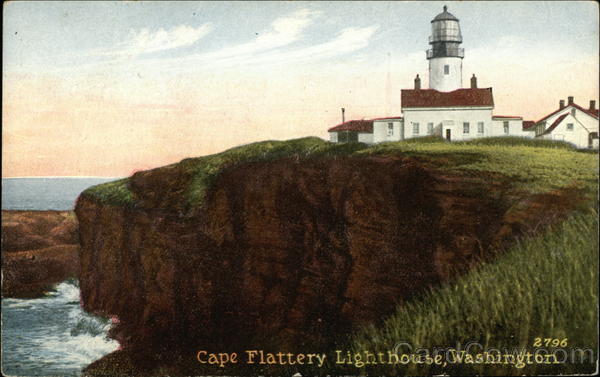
286,253
39,249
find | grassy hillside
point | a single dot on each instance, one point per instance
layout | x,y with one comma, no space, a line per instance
532,165
542,287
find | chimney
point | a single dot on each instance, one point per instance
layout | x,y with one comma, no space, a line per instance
343,116
561,104
570,100
473,82
417,82
592,105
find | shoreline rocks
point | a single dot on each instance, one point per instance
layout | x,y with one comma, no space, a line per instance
39,249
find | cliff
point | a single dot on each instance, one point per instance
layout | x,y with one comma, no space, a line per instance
284,249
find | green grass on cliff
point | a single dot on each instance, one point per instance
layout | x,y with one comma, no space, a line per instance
542,287
533,165
204,169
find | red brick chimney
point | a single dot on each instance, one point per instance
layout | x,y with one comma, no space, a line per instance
473,82
592,105
570,100
343,115
561,104
417,82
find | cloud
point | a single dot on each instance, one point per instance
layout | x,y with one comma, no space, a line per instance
276,45
284,31
270,49
347,40
145,41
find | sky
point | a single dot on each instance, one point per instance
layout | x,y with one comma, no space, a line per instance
110,88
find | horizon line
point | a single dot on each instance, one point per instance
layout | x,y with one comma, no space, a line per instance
64,176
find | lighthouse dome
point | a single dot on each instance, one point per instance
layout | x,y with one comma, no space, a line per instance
445,28
445,16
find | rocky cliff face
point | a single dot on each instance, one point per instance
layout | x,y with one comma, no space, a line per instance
285,253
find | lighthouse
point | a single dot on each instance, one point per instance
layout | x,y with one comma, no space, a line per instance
445,109
445,55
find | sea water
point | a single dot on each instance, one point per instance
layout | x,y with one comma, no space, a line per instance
45,193
51,335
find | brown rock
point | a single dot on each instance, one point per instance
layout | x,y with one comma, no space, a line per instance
39,249
32,273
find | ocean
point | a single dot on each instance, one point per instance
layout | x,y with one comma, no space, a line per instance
45,193
52,335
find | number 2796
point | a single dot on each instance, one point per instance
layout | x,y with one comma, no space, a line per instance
550,342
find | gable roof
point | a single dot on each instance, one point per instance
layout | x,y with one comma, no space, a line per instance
354,125
555,124
592,113
471,97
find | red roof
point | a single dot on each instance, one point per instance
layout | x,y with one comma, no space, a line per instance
555,123
354,125
507,116
398,117
593,113
458,98
527,124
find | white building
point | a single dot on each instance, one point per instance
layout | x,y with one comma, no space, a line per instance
445,109
571,123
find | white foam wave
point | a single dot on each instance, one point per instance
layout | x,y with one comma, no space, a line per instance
53,334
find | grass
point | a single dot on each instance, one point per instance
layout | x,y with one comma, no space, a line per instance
520,141
204,169
114,193
542,287
532,165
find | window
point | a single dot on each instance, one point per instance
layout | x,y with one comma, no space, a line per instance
569,126
390,129
415,128
466,128
446,69
429,128
506,127
347,137
480,127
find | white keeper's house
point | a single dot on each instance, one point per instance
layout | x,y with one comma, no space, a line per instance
448,110
571,123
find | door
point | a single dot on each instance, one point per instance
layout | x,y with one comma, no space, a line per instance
592,139
448,134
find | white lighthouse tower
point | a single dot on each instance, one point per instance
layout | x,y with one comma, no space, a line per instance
445,56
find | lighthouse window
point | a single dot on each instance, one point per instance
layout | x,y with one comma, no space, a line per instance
446,69
466,127
569,126
430,128
390,129
480,127
506,127
415,128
